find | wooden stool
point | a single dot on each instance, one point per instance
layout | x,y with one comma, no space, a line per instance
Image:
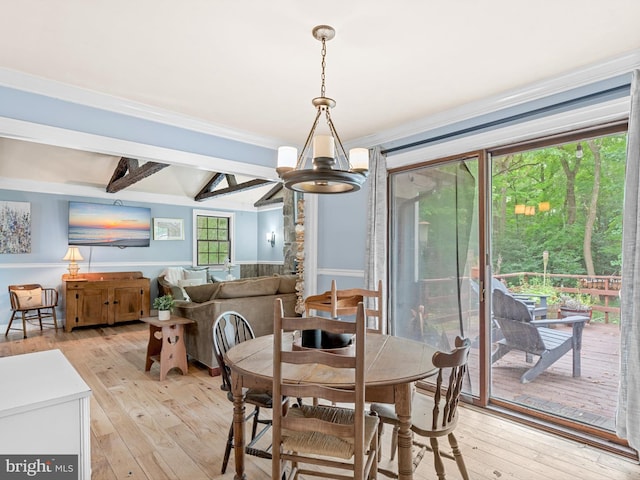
166,344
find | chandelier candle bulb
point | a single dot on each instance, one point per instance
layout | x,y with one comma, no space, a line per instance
324,147
359,159
287,158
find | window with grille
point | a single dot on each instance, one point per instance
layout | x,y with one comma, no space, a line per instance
213,239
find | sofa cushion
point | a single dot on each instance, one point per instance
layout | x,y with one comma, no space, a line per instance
189,282
254,287
287,283
202,293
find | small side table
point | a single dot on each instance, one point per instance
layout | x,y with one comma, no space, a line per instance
166,344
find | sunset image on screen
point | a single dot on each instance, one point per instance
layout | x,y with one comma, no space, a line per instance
108,225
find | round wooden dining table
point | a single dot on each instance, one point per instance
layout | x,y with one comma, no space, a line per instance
393,364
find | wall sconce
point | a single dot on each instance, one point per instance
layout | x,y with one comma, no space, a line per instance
73,254
271,239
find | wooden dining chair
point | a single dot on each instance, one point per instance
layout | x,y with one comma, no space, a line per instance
437,416
32,302
344,303
327,436
230,329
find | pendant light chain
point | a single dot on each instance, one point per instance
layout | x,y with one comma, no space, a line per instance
322,76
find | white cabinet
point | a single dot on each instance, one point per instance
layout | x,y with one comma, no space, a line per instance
44,408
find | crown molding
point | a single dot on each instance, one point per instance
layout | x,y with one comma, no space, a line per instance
595,72
51,88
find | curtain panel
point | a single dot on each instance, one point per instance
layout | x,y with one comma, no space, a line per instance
628,413
376,243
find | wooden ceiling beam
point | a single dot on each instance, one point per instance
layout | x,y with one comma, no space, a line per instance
207,192
127,172
270,198
231,180
211,184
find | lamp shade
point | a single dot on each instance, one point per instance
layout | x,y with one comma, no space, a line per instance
73,254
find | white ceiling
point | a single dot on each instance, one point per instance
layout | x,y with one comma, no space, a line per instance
253,67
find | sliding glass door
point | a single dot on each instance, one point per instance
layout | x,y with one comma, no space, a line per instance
543,226
434,212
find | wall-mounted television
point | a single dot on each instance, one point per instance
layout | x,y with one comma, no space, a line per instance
96,224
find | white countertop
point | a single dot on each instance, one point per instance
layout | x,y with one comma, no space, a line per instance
36,380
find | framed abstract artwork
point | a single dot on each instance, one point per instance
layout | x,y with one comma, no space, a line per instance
15,225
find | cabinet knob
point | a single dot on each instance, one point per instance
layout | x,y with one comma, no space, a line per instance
107,302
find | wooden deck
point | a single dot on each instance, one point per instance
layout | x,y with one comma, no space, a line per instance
176,429
590,399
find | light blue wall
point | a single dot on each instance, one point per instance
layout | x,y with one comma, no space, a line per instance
270,221
49,220
342,221
342,238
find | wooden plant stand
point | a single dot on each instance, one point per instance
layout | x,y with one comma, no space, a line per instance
166,344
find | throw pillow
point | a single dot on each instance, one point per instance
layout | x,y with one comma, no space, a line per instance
287,284
202,293
200,274
249,288
29,298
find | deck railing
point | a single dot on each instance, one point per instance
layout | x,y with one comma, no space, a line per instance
605,287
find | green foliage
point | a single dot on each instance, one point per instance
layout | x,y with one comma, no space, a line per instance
165,302
538,287
539,176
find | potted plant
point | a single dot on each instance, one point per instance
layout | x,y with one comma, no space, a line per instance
575,306
164,305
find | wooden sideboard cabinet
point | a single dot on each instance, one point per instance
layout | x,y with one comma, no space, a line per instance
105,298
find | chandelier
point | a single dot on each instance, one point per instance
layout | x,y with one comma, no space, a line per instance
328,168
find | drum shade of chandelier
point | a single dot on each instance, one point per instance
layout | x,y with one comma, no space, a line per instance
327,168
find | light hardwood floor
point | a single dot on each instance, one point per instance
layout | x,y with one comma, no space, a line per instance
142,428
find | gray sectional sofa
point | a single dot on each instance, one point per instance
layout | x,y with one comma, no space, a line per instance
252,297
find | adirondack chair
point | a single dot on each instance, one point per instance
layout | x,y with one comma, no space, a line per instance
534,337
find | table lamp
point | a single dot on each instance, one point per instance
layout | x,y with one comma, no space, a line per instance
73,254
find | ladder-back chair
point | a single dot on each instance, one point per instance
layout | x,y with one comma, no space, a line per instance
344,303
329,437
